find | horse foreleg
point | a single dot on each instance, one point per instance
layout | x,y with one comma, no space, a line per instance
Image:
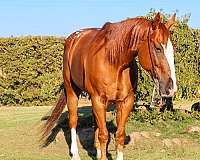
96,138
123,110
99,110
72,105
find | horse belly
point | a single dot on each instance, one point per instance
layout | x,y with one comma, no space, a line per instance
77,73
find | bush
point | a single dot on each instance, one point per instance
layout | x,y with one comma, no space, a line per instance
156,116
31,70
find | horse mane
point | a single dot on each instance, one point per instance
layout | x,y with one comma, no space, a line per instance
121,36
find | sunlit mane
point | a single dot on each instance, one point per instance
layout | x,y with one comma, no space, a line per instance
123,36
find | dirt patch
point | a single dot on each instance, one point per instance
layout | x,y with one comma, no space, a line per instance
60,137
137,137
193,129
174,142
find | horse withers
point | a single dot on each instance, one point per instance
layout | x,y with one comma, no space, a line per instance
101,61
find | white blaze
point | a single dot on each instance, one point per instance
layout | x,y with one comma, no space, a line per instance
169,53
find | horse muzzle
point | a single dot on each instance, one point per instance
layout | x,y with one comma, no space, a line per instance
166,88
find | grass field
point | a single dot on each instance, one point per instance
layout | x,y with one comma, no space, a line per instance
20,126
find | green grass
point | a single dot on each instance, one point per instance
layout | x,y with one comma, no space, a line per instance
19,135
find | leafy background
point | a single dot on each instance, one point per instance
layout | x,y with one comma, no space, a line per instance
31,67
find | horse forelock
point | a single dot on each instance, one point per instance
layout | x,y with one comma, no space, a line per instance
122,36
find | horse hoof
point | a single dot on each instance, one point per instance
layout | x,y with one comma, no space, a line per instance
119,155
76,157
98,154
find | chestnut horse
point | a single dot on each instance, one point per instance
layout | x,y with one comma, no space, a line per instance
101,61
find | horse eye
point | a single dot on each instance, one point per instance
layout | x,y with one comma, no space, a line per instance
158,50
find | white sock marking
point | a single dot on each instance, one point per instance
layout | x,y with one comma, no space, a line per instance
74,146
98,153
119,155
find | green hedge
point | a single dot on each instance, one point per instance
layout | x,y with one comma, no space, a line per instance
187,58
31,68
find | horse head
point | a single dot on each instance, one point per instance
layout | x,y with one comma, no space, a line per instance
156,55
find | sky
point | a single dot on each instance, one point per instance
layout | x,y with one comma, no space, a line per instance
62,17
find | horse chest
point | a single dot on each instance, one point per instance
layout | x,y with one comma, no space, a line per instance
120,86
123,85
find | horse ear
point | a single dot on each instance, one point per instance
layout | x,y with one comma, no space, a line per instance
171,21
156,21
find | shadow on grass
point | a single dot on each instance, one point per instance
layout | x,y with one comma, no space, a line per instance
85,130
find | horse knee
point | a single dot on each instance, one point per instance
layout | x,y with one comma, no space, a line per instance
120,136
103,136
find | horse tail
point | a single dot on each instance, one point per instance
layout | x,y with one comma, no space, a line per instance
55,115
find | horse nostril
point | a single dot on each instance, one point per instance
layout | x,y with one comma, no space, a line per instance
170,84
167,92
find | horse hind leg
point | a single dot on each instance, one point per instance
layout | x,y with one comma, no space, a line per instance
72,105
